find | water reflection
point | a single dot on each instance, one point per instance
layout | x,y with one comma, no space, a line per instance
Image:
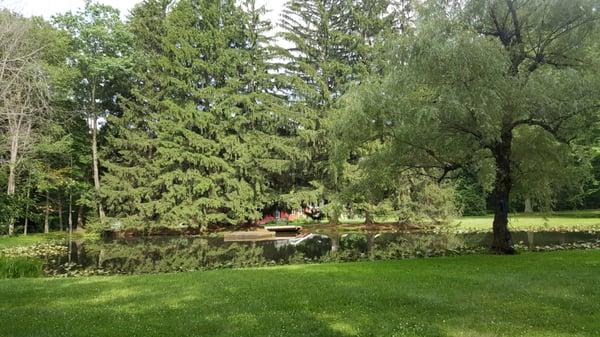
535,239
166,254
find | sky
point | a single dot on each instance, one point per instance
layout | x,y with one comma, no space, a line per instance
47,8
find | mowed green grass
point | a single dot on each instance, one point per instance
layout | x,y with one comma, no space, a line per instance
533,294
572,220
566,220
34,238
25,240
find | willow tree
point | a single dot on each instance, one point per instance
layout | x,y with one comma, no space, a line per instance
473,79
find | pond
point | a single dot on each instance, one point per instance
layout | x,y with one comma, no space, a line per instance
187,253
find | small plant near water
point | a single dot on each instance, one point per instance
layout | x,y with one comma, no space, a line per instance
16,267
36,250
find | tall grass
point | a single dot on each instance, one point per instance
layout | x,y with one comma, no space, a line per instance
15,267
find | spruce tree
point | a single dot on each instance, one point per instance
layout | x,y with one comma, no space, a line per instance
128,182
262,129
206,137
333,46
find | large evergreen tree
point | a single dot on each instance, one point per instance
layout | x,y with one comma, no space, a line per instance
262,129
132,139
333,46
206,138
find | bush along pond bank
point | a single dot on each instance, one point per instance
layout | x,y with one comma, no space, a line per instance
82,257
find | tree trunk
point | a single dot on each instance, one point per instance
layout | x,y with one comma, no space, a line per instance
60,215
368,218
15,137
502,242
95,166
70,219
80,217
47,214
334,217
12,164
26,222
528,206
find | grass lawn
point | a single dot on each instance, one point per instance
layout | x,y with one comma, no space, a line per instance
536,221
30,239
533,294
35,238
568,220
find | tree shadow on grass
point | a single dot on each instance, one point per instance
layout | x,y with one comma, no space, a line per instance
407,298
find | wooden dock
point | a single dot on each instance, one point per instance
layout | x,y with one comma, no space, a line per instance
250,236
276,229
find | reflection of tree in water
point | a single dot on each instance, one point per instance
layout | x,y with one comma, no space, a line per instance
198,253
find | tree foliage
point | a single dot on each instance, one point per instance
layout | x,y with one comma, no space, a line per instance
100,48
480,83
202,113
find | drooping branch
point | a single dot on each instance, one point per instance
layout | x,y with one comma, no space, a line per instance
554,127
540,54
439,163
517,37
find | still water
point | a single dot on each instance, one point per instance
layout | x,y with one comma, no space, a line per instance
169,254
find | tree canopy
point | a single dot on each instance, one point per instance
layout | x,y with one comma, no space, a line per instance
502,84
202,113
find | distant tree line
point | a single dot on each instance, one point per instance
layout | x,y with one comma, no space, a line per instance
202,113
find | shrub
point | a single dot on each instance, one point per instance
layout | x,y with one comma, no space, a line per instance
315,247
16,267
355,242
9,209
439,244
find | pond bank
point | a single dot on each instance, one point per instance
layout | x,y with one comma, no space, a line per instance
188,253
